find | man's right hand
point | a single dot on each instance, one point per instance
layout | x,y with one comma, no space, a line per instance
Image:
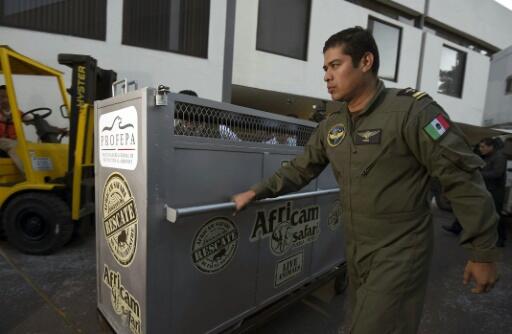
241,200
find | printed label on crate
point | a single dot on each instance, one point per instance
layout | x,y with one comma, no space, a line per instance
288,268
214,245
123,302
118,139
287,227
120,220
334,219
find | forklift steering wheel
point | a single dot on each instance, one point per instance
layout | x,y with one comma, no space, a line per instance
32,111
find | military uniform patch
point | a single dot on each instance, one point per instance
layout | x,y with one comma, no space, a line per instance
437,127
365,137
418,95
336,135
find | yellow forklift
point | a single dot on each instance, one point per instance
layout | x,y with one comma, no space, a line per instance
42,204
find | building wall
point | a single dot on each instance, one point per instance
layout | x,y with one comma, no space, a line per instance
498,105
469,108
148,67
483,19
253,68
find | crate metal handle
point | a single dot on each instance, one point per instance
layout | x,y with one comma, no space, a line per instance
173,214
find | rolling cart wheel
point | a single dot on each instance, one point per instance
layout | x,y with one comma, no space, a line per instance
341,281
37,223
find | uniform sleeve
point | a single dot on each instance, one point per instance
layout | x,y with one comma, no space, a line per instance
450,159
299,172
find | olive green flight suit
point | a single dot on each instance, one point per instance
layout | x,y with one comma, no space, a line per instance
383,161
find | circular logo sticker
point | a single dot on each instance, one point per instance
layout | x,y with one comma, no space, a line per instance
214,245
334,219
336,135
120,219
281,240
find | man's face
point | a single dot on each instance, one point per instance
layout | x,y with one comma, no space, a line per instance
340,76
484,149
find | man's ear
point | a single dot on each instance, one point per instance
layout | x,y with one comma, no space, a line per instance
366,62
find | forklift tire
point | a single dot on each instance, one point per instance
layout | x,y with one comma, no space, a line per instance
341,281
37,223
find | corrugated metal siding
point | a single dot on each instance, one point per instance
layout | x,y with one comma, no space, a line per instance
81,18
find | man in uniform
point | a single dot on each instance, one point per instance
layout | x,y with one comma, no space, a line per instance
383,146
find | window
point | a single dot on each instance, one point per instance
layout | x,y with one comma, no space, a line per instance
179,26
283,27
86,19
389,39
508,85
451,74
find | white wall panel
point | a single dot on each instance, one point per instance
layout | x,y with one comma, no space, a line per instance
498,106
484,19
469,108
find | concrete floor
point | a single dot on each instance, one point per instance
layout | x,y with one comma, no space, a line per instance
57,294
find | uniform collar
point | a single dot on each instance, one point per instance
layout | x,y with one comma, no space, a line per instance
371,103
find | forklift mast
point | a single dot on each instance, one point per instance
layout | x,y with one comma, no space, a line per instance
88,84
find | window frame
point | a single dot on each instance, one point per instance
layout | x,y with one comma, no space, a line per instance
371,20
463,72
306,46
508,85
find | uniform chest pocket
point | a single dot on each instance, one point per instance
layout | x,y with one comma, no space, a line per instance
375,159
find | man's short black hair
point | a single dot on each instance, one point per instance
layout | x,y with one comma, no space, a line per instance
488,141
355,42
4,87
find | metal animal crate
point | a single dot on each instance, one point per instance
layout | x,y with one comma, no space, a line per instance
171,257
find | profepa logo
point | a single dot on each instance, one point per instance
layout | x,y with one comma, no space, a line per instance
111,137
118,139
287,227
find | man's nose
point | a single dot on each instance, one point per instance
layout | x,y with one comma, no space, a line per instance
327,76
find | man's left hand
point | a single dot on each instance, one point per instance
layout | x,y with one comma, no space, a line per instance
484,274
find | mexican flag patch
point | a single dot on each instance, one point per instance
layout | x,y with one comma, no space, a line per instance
437,127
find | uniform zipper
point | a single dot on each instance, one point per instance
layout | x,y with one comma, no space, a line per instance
372,164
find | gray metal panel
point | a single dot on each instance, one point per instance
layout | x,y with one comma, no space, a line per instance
131,277
205,301
329,250
207,176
